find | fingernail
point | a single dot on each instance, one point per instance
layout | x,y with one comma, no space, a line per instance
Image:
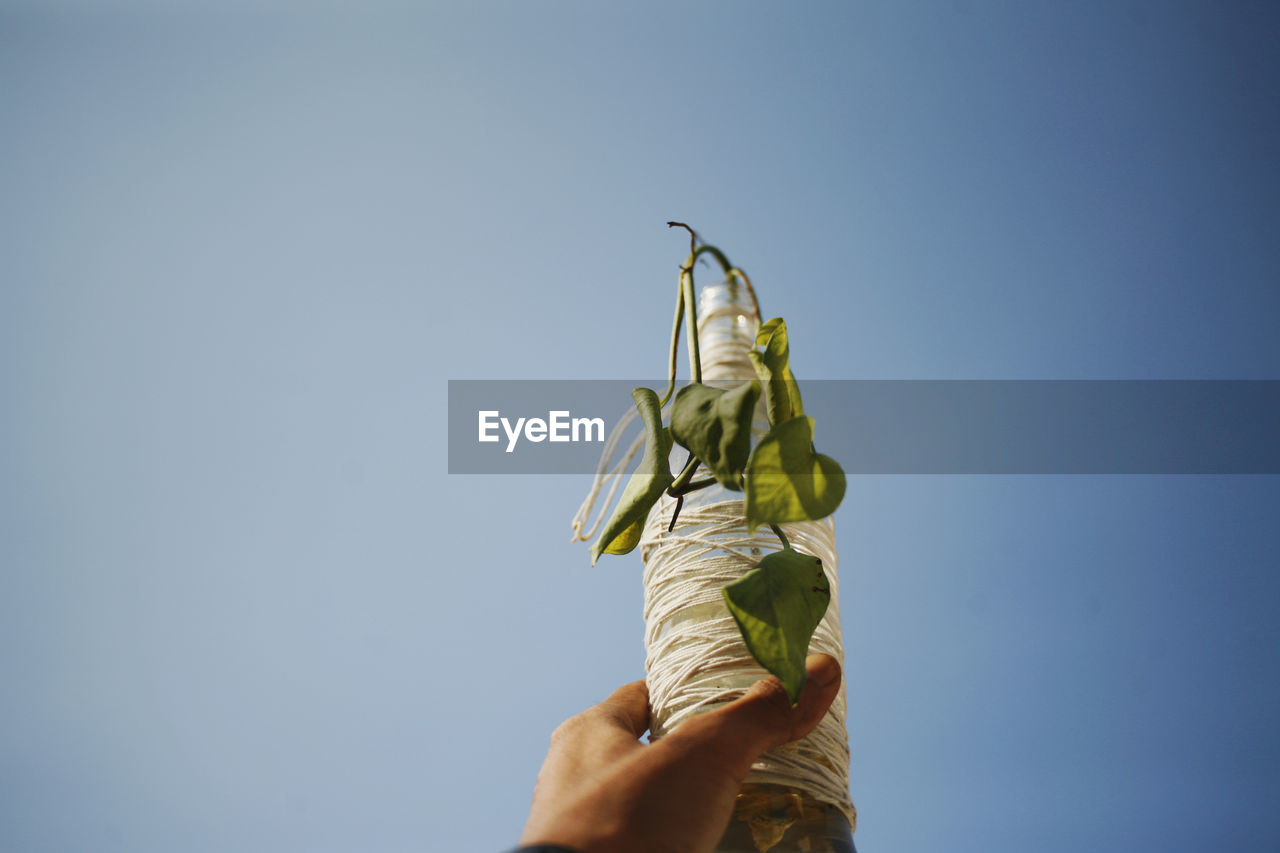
822,670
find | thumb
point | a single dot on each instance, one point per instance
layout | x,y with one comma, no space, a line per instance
764,717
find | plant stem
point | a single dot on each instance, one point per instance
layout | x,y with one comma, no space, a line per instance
686,298
782,537
739,274
685,489
676,513
715,253
675,348
679,485
686,289
687,295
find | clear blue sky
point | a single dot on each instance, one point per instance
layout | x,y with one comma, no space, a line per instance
244,607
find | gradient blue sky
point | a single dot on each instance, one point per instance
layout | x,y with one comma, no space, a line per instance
244,607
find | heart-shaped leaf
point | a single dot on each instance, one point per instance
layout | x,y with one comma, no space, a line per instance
777,606
646,485
715,425
788,481
773,366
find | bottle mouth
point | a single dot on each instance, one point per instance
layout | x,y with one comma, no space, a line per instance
728,297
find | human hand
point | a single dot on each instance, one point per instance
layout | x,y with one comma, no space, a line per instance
601,790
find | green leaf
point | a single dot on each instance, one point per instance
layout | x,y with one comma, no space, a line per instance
646,485
773,366
715,425
787,480
777,606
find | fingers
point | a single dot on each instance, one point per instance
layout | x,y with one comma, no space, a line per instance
603,729
764,718
822,685
593,740
628,707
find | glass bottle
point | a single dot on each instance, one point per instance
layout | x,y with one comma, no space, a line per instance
770,816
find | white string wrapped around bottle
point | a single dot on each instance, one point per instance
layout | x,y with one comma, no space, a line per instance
696,658
695,655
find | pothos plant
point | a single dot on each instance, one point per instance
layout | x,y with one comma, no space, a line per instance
779,603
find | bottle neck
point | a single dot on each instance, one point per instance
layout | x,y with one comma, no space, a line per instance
727,325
